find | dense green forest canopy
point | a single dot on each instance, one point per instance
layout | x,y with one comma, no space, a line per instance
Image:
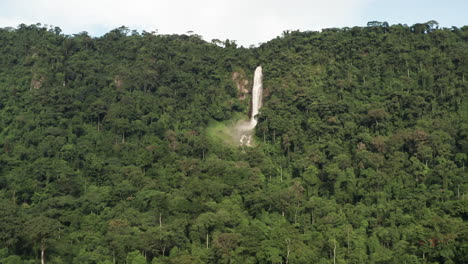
360,158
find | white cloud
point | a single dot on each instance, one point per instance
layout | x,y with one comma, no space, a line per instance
247,21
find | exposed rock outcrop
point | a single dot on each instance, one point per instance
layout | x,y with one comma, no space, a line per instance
37,80
241,82
118,81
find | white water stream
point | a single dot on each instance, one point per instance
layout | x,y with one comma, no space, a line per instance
257,94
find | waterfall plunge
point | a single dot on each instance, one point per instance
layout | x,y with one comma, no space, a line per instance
257,93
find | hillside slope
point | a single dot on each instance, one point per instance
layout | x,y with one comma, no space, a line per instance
361,155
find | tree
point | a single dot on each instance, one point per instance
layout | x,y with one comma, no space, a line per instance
135,257
42,231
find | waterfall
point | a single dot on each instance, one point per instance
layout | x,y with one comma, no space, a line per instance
257,92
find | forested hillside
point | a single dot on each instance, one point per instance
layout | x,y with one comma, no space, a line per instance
360,156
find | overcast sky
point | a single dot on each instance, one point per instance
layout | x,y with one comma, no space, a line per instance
246,21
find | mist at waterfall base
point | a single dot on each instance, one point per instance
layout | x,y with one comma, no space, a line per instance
243,131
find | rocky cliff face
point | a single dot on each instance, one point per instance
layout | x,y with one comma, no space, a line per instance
241,83
37,80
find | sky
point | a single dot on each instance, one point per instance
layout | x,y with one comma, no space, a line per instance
249,22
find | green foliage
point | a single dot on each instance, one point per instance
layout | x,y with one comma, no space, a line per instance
118,149
135,258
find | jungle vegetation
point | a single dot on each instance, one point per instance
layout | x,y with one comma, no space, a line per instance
360,157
